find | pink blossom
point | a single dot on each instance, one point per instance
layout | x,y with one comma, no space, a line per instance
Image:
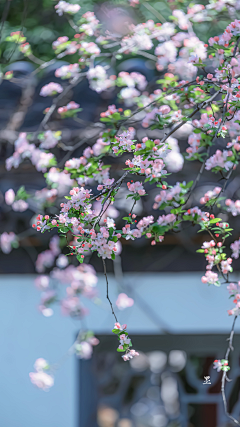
9,196
210,195
231,287
123,301
20,206
8,241
235,246
219,159
136,187
70,106
217,365
211,278
233,207
164,109
166,219
51,89
132,79
62,261
89,48
42,282
50,139
44,260
84,350
42,380
127,356
226,266
145,222
71,306
90,23
98,79
124,339
67,71
40,364
118,326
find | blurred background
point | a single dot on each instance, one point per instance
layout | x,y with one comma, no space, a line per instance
178,325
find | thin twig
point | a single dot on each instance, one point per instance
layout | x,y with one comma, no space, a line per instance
110,302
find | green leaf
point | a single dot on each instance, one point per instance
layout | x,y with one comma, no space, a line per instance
189,184
63,229
113,256
150,144
214,220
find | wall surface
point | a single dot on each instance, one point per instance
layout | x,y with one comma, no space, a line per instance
176,301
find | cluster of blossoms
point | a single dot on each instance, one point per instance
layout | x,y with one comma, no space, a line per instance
110,111
132,79
88,50
172,196
141,227
41,377
136,187
211,278
214,250
63,46
98,79
125,342
135,82
210,194
17,203
23,150
234,291
196,214
233,207
64,7
220,160
69,110
124,141
152,164
84,345
46,259
77,215
235,246
221,365
166,219
89,23
80,281
67,71
223,40
49,139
